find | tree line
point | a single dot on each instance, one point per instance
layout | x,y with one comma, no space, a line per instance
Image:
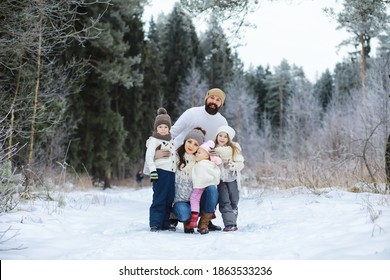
80,83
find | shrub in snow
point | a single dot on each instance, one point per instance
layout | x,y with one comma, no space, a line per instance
10,186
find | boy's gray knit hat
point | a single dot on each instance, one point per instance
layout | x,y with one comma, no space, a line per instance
162,118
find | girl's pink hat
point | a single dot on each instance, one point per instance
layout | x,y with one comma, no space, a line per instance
207,146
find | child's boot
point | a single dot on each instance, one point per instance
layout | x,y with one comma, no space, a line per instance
187,228
193,220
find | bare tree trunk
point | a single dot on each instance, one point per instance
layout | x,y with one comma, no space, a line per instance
32,133
363,72
387,153
281,98
387,163
13,110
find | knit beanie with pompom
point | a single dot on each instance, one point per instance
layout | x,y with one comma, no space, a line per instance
162,118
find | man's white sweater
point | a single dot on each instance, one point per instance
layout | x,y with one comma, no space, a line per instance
196,117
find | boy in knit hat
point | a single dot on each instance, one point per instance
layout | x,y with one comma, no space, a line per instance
205,173
161,171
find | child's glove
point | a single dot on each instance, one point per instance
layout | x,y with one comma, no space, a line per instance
236,166
153,176
213,153
231,166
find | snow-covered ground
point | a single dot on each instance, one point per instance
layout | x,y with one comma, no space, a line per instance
291,224
274,224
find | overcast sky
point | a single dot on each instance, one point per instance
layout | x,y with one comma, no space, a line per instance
297,30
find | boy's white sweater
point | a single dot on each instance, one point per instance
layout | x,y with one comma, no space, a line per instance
168,164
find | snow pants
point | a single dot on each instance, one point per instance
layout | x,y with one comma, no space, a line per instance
228,202
163,194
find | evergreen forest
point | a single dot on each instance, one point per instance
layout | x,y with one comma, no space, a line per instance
81,81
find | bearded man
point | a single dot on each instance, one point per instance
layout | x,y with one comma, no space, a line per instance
206,117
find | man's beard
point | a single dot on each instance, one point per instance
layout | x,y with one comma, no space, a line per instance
212,108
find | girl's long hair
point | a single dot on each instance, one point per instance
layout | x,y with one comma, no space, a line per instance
230,143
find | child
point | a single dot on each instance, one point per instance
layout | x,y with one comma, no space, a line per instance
228,189
205,173
162,172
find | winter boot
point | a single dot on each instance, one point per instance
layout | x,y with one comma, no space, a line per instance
173,219
204,223
230,228
213,227
193,220
187,229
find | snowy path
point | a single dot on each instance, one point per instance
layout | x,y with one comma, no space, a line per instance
275,225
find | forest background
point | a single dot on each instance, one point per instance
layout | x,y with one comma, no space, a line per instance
80,83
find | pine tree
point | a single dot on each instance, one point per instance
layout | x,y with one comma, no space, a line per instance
128,100
324,88
256,80
153,85
218,58
365,20
279,89
98,143
384,44
179,44
346,80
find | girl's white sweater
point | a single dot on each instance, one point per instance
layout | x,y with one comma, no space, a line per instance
205,173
